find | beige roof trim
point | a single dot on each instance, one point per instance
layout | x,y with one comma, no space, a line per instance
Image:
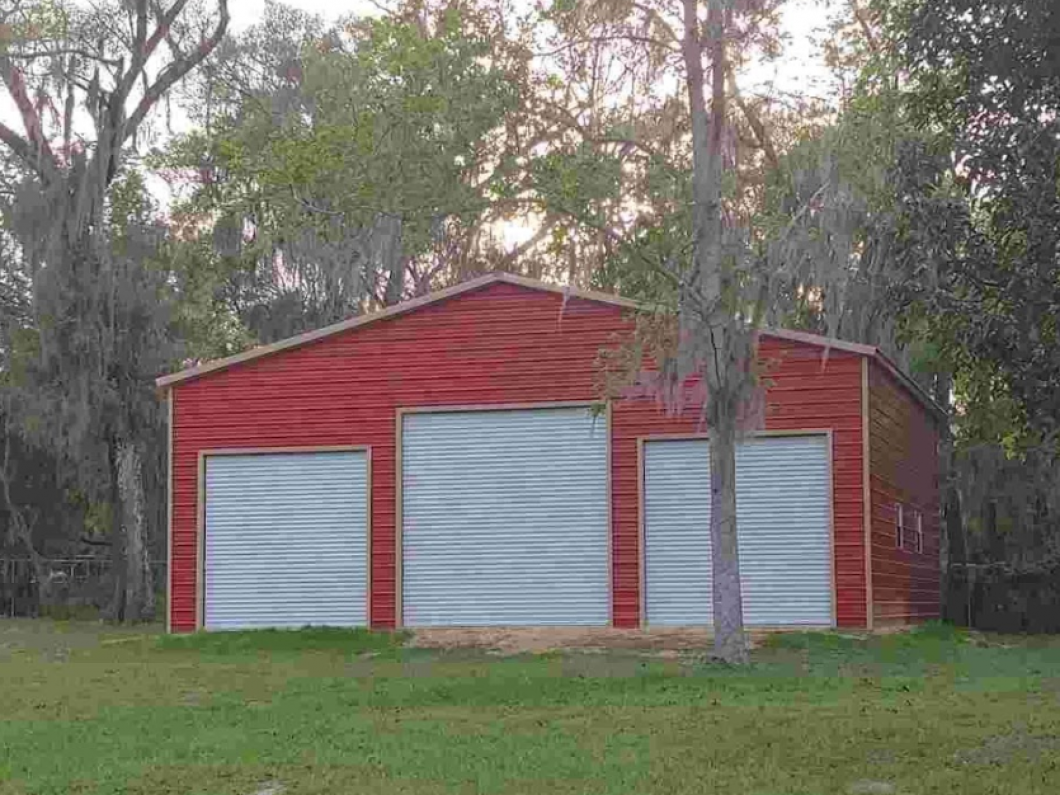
480,282
818,340
570,292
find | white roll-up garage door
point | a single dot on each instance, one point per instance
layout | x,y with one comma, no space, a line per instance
505,518
783,515
286,540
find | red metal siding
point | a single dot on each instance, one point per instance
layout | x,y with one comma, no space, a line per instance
502,344
903,457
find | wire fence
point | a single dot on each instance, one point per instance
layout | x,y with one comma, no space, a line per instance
82,582
997,598
988,597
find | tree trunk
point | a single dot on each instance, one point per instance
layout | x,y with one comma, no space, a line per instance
730,643
139,583
957,552
134,594
391,257
115,611
23,531
709,299
956,585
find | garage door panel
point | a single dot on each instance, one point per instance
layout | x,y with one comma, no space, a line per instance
286,540
505,518
677,551
784,526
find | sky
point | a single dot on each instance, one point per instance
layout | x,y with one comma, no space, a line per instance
246,12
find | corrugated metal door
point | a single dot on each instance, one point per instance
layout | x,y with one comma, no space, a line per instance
783,516
505,518
286,540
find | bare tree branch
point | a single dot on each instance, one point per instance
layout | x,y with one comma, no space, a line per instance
177,69
542,232
32,149
765,140
601,39
143,47
866,29
18,145
654,16
78,51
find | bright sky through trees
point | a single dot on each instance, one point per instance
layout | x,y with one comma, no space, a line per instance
800,69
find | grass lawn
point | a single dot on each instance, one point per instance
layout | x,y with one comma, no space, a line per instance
91,710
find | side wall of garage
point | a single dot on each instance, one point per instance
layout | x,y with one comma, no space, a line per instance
903,443
503,344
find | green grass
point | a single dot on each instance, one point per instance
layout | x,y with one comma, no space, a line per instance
90,710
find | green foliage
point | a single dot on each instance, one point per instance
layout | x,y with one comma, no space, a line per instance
578,183
833,220
644,268
988,230
353,168
41,22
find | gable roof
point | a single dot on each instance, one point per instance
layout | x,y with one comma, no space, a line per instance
827,343
397,310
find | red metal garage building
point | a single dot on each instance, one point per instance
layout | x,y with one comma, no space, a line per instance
438,463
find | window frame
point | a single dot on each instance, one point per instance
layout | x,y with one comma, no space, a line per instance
899,526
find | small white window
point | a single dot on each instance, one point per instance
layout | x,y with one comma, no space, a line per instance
899,526
919,531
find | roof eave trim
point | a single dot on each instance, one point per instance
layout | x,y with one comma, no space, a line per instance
913,387
819,341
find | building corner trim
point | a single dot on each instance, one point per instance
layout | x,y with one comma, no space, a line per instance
169,512
866,493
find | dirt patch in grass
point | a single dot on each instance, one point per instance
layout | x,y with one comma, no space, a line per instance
538,640
1003,748
660,641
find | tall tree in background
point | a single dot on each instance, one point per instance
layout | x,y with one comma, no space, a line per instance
949,146
986,77
345,166
982,234
84,82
